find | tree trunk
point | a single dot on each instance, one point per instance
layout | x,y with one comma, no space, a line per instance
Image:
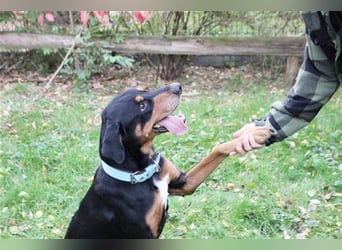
292,67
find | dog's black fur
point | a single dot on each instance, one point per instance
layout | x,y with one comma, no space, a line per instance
116,209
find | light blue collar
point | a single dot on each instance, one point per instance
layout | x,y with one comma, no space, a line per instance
133,177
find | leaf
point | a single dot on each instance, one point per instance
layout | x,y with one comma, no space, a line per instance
327,196
119,39
39,214
311,193
337,194
97,86
12,221
303,212
313,205
302,235
230,186
297,220
18,230
56,231
286,235
312,223
182,228
23,194
292,144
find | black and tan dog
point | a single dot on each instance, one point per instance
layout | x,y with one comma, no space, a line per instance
128,197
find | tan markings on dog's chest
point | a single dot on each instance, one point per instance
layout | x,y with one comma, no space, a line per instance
145,140
155,214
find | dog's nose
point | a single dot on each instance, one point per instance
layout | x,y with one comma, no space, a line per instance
176,88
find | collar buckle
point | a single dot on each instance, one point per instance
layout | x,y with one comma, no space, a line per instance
133,177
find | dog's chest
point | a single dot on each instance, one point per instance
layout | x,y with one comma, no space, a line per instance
162,185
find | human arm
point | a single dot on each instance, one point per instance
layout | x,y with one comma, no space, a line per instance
316,83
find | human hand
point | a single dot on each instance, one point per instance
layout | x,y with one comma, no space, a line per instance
250,137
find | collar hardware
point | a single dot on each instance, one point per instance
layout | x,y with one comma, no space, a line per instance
133,177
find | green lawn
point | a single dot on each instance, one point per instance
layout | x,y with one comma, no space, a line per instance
293,189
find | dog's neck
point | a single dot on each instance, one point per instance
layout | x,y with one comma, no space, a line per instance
135,160
133,176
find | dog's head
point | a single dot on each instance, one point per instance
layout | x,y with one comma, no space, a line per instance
132,119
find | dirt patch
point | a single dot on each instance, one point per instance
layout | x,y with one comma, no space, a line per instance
16,68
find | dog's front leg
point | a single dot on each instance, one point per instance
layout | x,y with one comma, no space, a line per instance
190,180
187,182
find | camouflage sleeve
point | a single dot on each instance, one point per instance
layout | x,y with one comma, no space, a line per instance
316,83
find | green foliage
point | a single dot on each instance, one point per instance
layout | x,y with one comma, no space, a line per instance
5,16
208,23
49,152
123,61
83,63
46,51
86,62
213,23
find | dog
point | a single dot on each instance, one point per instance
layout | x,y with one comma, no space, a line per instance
129,194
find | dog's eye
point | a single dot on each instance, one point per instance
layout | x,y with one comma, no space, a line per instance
142,106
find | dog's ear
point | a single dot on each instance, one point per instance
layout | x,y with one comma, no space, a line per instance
111,144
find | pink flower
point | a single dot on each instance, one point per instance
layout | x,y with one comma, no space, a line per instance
84,18
41,20
102,16
142,16
50,17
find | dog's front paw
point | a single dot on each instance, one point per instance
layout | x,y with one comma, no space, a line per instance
225,148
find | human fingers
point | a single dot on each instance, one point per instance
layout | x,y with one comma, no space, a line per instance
246,142
232,153
239,149
243,130
253,144
249,143
261,134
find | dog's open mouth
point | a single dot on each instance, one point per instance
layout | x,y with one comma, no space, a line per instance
173,124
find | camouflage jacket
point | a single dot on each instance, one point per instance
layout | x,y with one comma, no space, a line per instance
317,80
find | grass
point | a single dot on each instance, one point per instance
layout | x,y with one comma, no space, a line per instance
48,154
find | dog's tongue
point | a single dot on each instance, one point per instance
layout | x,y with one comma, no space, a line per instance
174,124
